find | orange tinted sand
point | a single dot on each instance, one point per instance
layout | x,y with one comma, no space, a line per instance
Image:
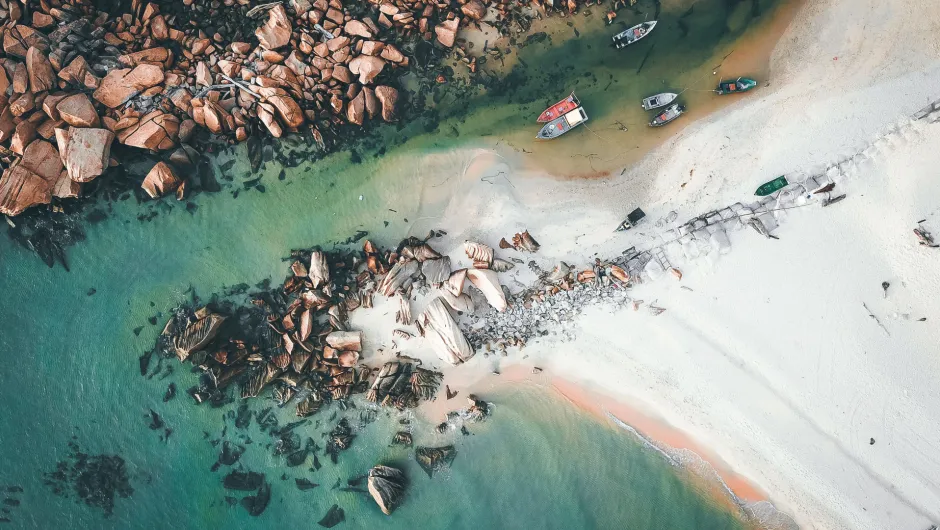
597,405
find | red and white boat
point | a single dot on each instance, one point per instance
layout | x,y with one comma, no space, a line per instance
560,109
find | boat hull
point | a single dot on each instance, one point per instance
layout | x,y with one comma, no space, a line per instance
562,125
634,34
559,109
659,100
668,116
737,86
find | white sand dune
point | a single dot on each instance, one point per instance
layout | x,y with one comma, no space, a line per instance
771,360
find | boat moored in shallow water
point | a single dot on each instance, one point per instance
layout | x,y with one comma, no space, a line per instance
631,35
560,126
671,113
659,100
559,109
735,86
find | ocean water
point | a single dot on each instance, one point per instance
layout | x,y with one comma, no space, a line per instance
70,343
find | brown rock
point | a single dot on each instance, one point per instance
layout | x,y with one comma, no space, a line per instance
20,189
156,130
43,159
372,103
158,28
372,47
447,32
42,20
213,117
78,111
272,56
366,67
7,124
354,27
122,84
20,79
75,71
335,15
24,133
41,76
474,9
4,82
241,134
49,104
85,152
22,104
203,76
182,99
267,118
342,73
160,180
355,111
276,31
19,39
66,188
149,56
388,97
392,54
337,43
241,48
288,110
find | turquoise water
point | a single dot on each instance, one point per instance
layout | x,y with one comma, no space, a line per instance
70,364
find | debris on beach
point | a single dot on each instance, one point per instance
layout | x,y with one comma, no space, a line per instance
525,242
387,487
925,238
884,288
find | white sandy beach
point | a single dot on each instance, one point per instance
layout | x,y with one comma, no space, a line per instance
769,359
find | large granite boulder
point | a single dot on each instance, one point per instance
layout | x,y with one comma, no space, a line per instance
387,487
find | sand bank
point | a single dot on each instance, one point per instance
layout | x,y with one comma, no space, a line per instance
769,359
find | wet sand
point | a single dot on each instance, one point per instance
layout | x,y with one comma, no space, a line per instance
474,379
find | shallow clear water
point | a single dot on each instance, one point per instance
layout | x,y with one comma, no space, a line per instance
70,365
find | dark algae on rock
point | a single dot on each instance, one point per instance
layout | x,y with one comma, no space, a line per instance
93,479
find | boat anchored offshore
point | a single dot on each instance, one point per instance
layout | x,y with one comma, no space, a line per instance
659,100
565,123
672,112
631,35
741,84
559,109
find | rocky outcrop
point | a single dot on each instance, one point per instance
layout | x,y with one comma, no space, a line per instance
276,31
85,152
444,335
197,335
20,189
433,459
122,84
160,180
387,487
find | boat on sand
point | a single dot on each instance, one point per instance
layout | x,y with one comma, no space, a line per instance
631,35
559,109
735,86
563,124
659,100
671,113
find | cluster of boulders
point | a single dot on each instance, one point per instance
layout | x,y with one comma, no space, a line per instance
75,78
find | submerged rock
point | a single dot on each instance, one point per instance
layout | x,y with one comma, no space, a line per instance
433,459
257,503
93,479
387,487
243,480
333,517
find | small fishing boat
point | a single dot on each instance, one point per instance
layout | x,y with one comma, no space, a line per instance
741,84
631,35
771,186
672,112
560,126
659,100
631,220
559,109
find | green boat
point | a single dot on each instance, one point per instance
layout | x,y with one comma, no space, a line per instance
769,187
741,84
